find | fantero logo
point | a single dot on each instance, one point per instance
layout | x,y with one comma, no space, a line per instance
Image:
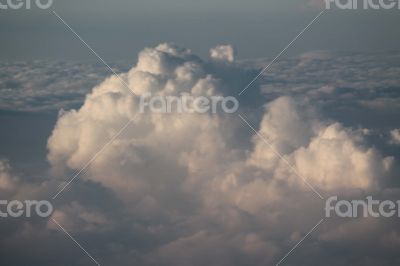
25,4
27,208
363,4
362,208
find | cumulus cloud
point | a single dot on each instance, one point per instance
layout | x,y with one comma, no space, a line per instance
327,154
164,70
7,182
195,189
166,167
223,53
395,136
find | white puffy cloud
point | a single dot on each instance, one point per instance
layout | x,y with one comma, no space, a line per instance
7,182
164,70
395,136
286,127
335,160
328,155
223,53
165,167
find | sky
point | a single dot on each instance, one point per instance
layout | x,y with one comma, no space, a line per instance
130,185
257,28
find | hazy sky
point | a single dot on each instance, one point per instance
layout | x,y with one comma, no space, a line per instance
257,28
